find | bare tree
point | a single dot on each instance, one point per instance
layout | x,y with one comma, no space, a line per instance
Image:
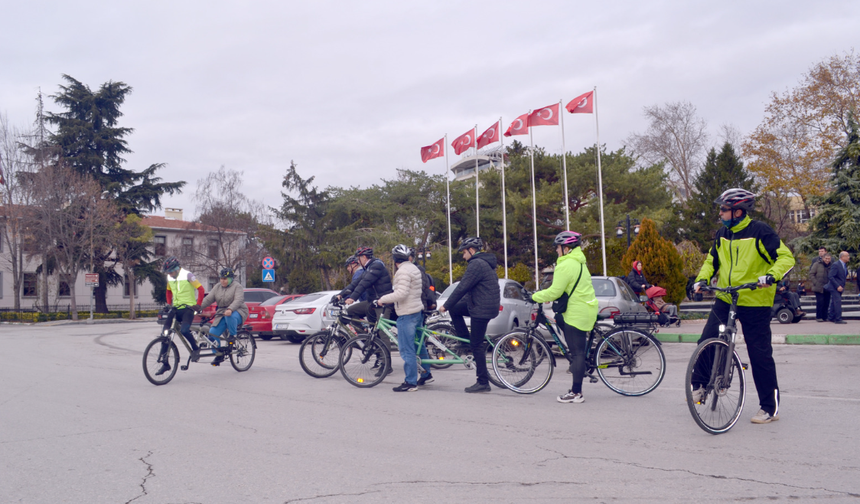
131,239
70,214
677,137
13,163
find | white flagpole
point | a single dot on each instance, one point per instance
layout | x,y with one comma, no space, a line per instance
600,183
504,207
564,168
448,201
477,203
534,203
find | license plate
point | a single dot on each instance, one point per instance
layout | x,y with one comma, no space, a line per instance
282,326
253,315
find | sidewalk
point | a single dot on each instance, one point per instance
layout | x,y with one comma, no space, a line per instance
804,332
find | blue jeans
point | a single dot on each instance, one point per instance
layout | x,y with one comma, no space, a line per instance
231,323
406,326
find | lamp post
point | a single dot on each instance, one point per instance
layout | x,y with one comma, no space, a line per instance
622,225
424,255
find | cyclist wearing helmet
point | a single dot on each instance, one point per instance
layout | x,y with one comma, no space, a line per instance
745,251
375,281
572,278
232,310
476,296
184,292
406,297
355,270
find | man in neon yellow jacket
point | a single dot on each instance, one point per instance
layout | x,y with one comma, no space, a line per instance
571,278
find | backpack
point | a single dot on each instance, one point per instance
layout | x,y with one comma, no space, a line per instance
428,290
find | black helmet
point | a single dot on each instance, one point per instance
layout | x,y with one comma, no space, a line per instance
400,253
351,260
170,264
412,252
567,239
364,251
737,198
227,273
471,242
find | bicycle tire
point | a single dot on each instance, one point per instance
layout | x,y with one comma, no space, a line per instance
721,406
435,352
630,362
244,351
319,354
522,362
364,361
491,376
153,360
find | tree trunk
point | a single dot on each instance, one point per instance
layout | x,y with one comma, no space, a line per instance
44,291
326,280
131,284
74,301
101,294
17,277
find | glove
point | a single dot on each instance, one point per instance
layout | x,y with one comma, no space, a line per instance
376,304
197,308
766,279
335,298
529,299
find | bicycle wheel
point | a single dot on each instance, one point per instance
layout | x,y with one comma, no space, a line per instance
244,351
436,353
155,359
522,362
630,362
722,399
364,360
319,354
488,356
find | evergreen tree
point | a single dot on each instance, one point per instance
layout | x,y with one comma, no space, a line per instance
721,171
661,262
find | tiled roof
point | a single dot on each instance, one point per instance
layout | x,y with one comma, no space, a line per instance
159,222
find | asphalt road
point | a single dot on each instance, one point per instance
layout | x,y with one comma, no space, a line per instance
80,423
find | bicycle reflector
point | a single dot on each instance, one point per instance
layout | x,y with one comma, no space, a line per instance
515,342
360,380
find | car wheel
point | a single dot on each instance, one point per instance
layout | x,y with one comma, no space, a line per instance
515,324
296,338
265,338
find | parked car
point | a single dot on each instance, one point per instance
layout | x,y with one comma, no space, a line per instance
260,316
514,310
615,296
253,297
299,318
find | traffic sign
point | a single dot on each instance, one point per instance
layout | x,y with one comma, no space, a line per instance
268,263
91,279
268,275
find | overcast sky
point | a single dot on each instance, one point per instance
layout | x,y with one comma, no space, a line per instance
352,90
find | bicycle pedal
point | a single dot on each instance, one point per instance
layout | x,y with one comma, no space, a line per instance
183,367
745,365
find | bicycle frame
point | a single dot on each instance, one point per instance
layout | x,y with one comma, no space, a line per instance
424,334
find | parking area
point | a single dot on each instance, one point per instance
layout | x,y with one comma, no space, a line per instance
80,423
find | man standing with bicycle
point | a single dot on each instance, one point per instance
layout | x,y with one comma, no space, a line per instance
745,251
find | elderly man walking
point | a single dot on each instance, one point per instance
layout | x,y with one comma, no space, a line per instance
837,277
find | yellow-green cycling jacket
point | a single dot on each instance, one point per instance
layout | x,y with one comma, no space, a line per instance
742,254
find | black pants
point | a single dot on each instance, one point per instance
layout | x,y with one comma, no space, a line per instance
576,340
185,317
477,338
822,304
834,314
755,321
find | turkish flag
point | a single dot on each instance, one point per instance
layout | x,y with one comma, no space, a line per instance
433,151
520,126
582,104
489,136
463,142
547,116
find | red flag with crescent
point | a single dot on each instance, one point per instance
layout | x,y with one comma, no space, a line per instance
433,151
520,126
489,136
463,142
582,104
547,116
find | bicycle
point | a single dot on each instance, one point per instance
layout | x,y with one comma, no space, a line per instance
241,350
362,356
628,360
715,383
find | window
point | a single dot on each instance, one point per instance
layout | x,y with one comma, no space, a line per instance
603,287
63,288
125,288
31,285
512,291
187,247
213,249
160,245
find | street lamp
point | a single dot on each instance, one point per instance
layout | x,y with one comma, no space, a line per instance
625,224
424,255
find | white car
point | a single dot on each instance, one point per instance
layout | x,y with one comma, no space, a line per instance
303,316
514,311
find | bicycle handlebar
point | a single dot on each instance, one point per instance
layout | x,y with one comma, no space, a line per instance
730,289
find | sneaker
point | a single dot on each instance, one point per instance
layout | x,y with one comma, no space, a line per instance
195,355
763,417
800,313
218,360
164,368
839,322
388,371
424,380
698,395
405,387
819,320
570,397
478,387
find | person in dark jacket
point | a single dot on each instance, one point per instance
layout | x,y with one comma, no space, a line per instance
477,296
817,280
636,279
375,282
836,280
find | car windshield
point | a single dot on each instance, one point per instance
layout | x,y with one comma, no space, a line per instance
273,301
311,297
603,287
447,292
258,296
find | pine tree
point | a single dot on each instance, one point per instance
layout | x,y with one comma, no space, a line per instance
661,262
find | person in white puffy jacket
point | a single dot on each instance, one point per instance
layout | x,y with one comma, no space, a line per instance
406,297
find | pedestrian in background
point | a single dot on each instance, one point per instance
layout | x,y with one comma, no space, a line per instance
818,277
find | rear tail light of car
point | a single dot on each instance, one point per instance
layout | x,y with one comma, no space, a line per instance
501,308
303,311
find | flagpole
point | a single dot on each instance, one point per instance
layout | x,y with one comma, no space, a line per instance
504,207
564,168
534,202
477,203
448,201
599,183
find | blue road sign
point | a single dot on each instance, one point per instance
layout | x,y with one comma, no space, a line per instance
268,275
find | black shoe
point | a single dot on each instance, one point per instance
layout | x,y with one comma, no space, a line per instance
388,371
164,368
478,387
424,380
218,360
195,355
820,320
405,387
839,322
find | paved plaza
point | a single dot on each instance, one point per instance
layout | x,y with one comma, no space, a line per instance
79,423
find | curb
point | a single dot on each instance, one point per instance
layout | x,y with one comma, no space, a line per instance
787,339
